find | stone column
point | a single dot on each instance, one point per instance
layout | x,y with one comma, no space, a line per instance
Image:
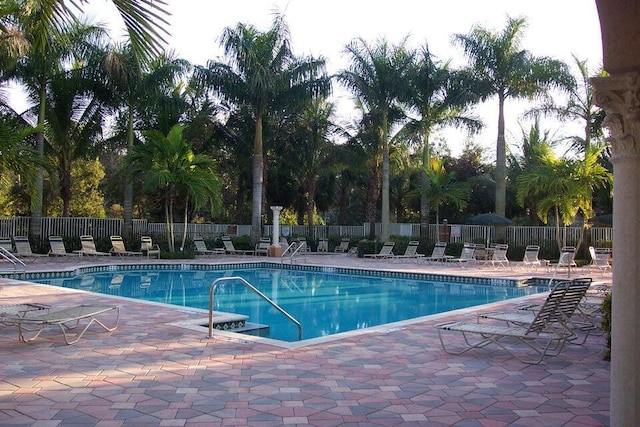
619,95
275,249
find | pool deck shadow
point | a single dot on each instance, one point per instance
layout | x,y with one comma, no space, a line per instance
153,371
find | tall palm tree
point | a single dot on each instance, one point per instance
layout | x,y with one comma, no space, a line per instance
439,98
580,107
378,75
262,73
169,164
443,187
138,86
563,186
33,24
503,69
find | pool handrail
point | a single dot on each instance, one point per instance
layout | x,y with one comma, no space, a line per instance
5,254
254,289
293,250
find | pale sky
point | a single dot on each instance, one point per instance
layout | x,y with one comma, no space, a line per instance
556,28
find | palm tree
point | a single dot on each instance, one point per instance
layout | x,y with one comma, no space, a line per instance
262,73
563,186
439,97
378,75
168,163
32,25
138,86
580,107
442,188
18,157
500,67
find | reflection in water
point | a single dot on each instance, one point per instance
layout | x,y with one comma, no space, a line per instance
324,303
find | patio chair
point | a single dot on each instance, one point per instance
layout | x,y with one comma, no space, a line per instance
230,249
438,253
23,248
323,245
65,318
567,257
498,256
19,310
6,244
344,245
118,248
58,248
411,252
262,247
201,247
147,246
538,335
386,251
530,258
467,255
569,316
599,260
89,247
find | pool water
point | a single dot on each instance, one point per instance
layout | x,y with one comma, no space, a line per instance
324,303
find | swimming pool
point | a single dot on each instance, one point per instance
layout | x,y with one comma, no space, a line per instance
325,301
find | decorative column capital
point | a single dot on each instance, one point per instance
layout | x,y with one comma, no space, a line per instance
619,96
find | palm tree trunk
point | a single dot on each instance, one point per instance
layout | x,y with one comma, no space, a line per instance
257,170
384,232
184,230
424,201
311,190
35,226
127,203
501,160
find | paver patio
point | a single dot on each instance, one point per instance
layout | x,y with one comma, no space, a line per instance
153,372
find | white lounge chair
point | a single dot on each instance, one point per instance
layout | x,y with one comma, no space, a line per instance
118,248
538,335
530,258
201,247
66,319
467,255
23,248
344,245
58,248
89,247
567,257
438,253
498,256
411,252
147,246
230,249
323,245
386,251
262,247
599,260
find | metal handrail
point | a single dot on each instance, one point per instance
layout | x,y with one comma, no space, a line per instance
294,248
254,289
11,258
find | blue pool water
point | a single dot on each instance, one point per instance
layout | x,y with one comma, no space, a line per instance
324,303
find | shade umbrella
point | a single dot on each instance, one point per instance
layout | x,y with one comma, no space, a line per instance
606,219
488,219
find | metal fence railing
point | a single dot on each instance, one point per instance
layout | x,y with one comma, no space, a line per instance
460,233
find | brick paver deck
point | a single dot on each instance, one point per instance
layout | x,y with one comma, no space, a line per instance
150,372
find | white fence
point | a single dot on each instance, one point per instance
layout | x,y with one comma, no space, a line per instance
98,227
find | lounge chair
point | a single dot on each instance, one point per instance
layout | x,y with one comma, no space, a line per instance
58,248
438,253
530,257
66,319
6,244
574,293
262,247
148,247
230,249
467,255
89,247
411,252
386,251
567,257
498,256
538,335
480,253
599,260
343,246
19,310
118,248
323,245
201,247
23,248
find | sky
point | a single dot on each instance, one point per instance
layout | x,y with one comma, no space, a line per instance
556,28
